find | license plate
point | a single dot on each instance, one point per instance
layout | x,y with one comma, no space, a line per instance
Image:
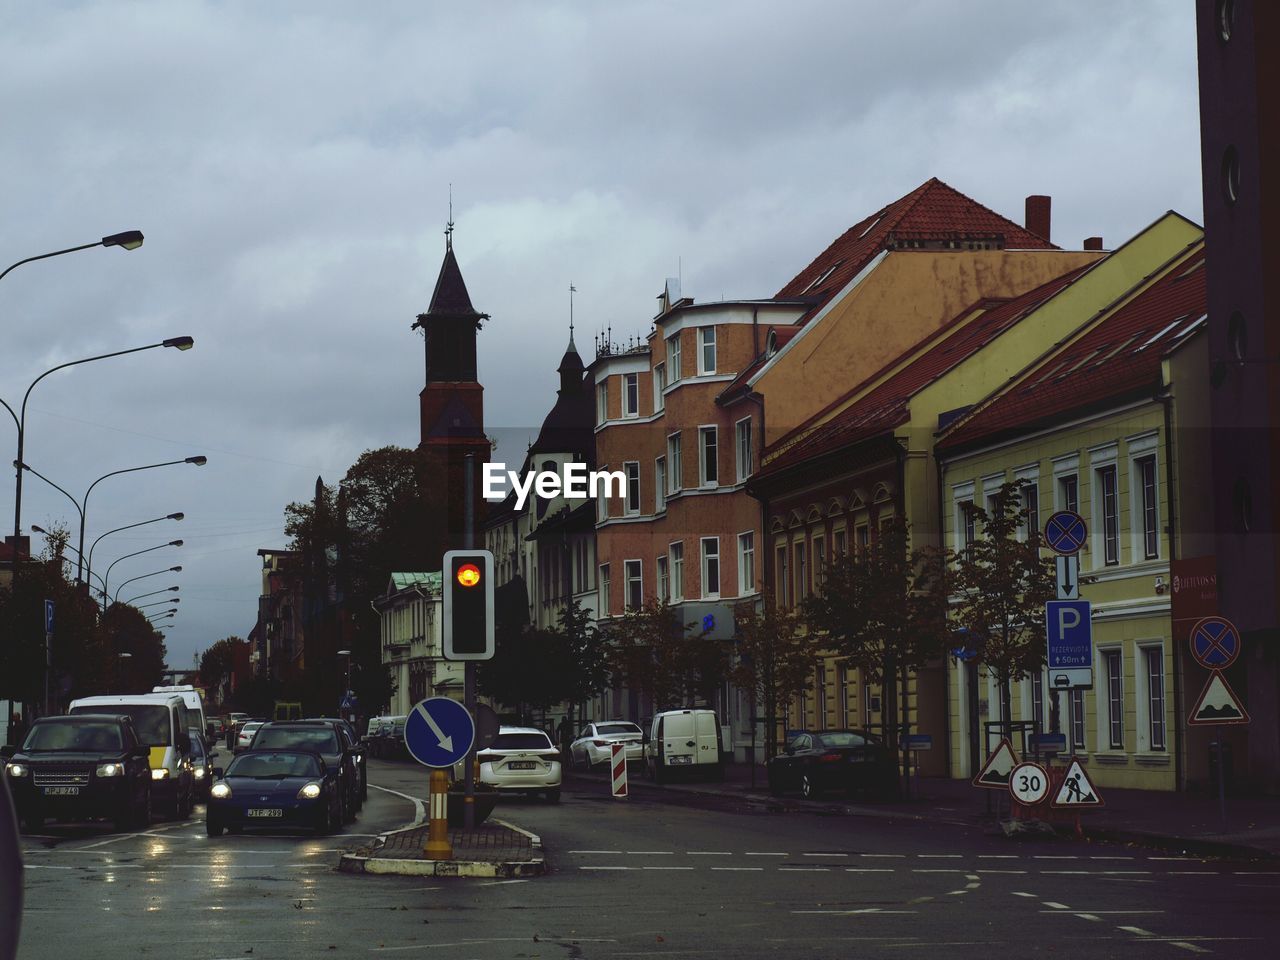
61,791
266,812
522,765
675,760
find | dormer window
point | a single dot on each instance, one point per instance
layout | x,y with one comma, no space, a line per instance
825,275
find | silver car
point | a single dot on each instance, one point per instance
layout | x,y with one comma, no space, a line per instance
244,734
522,760
595,742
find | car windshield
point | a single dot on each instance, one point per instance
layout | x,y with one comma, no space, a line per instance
604,728
521,741
843,738
314,738
150,720
81,737
273,766
197,745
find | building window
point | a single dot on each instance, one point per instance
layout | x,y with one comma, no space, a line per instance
631,395
1154,657
674,462
602,501
664,579
1110,514
660,484
842,693
604,589
746,563
706,350
677,571
659,384
822,696
841,542
862,539
780,575
798,568
673,358
1150,513
633,570
1031,504
742,432
967,522
632,469
1076,706
710,465
1115,698
1069,492
819,560
602,402
710,567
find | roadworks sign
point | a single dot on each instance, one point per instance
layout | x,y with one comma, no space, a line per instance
994,774
1076,789
1218,703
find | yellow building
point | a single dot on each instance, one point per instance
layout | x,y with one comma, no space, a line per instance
1086,427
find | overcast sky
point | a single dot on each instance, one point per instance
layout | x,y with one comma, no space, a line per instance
290,165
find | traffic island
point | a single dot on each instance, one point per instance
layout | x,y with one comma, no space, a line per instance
494,849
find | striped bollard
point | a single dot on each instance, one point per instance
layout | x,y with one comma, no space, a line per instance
438,846
619,770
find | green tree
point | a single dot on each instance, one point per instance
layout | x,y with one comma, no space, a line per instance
1000,586
775,659
216,666
650,650
584,655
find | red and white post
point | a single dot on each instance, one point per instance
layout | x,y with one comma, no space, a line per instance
619,770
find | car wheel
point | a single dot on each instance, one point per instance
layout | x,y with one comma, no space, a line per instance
807,788
213,827
553,796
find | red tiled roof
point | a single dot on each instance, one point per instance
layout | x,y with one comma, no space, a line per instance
1117,357
933,211
887,405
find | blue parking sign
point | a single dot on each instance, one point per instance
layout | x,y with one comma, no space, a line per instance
1069,632
48,616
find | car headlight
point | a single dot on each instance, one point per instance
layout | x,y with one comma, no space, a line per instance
309,792
16,769
199,773
110,770
220,791
161,774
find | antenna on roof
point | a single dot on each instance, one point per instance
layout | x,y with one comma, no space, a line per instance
448,227
572,291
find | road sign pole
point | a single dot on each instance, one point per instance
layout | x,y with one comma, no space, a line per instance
1222,782
469,667
438,846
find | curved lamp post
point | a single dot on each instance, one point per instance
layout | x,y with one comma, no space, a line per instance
178,343
129,240
129,526
158,603
36,528
142,596
172,611
143,576
107,576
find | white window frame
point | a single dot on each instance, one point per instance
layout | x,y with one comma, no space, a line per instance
662,565
1098,470
660,484
1027,477
746,563
707,338
675,463
602,403
707,560
1140,450
742,448
712,431
632,574
1105,700
604,590
659,385
817,560
961,494
630,385
1077,722
631,496
675,550
673,358
1151,716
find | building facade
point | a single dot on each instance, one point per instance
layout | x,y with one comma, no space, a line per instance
412,650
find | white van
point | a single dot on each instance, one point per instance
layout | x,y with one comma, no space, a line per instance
683,740
195,705
162,722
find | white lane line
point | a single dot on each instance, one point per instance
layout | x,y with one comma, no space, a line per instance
1122,873
493,883
1193,873
1088,916
805,869
868,870
419,808
825,854
608,868
1112,858
709,853
956,893
1055,856
159,832
1257,873
1183,859
651,853
1187,946
611,852
1110,912
972,886
1065,872
884,856
997,856
669,868
934,870
1137,931
1003,871
43,866
850,913
938,856
1019,893
739,869
1056,905
756,853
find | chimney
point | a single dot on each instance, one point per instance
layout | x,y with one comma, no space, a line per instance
1037,219
1093,243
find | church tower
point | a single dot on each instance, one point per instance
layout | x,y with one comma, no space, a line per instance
451,411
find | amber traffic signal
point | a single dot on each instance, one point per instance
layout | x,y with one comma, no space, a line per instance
467,596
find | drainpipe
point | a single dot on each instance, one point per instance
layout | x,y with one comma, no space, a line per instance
1166,401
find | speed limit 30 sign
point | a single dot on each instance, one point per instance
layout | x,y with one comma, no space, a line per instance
1029,783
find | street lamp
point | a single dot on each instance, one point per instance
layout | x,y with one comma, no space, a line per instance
158,603
107,575
130,602
153,573
161,616
129,526
179,343
129,240
36,528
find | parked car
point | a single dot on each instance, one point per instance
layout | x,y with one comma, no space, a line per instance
595,742
202,758
388,743
244,733
81,767
230,727
521,760
274,788
817,761
322,737
683,741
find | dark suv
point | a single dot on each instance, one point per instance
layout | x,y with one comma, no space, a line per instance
80,767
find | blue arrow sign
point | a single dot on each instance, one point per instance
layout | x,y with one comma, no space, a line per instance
1066,532
439,732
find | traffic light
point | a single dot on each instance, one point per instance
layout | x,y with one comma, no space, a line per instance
468,605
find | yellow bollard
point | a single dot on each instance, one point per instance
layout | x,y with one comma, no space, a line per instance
438,846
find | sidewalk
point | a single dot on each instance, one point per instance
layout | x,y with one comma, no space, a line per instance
494,848
1189,822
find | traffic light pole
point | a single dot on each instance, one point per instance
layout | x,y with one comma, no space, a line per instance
469,666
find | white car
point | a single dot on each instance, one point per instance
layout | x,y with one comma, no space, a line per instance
595,742
245,732
522,760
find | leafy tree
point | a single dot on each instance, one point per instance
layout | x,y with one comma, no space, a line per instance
775,658
584,658
1000,585
216,666
650,650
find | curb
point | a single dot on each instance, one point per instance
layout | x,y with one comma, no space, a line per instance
371,863
1191,845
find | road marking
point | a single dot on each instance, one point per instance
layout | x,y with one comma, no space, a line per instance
1003,871
419,808
997,856
1056,905
668,868
1019,893
1111,858
1137,931
805,869
651,853
938,856
753,853
613,852
934,870
493,883
868,870
44,866
1187,946
709,853
1109,912
1257,873
130,836
885,856
755,869
1184,859
1088,916
956,893
1055,856
608,868
1193,873
850,913
1064,872
825,854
